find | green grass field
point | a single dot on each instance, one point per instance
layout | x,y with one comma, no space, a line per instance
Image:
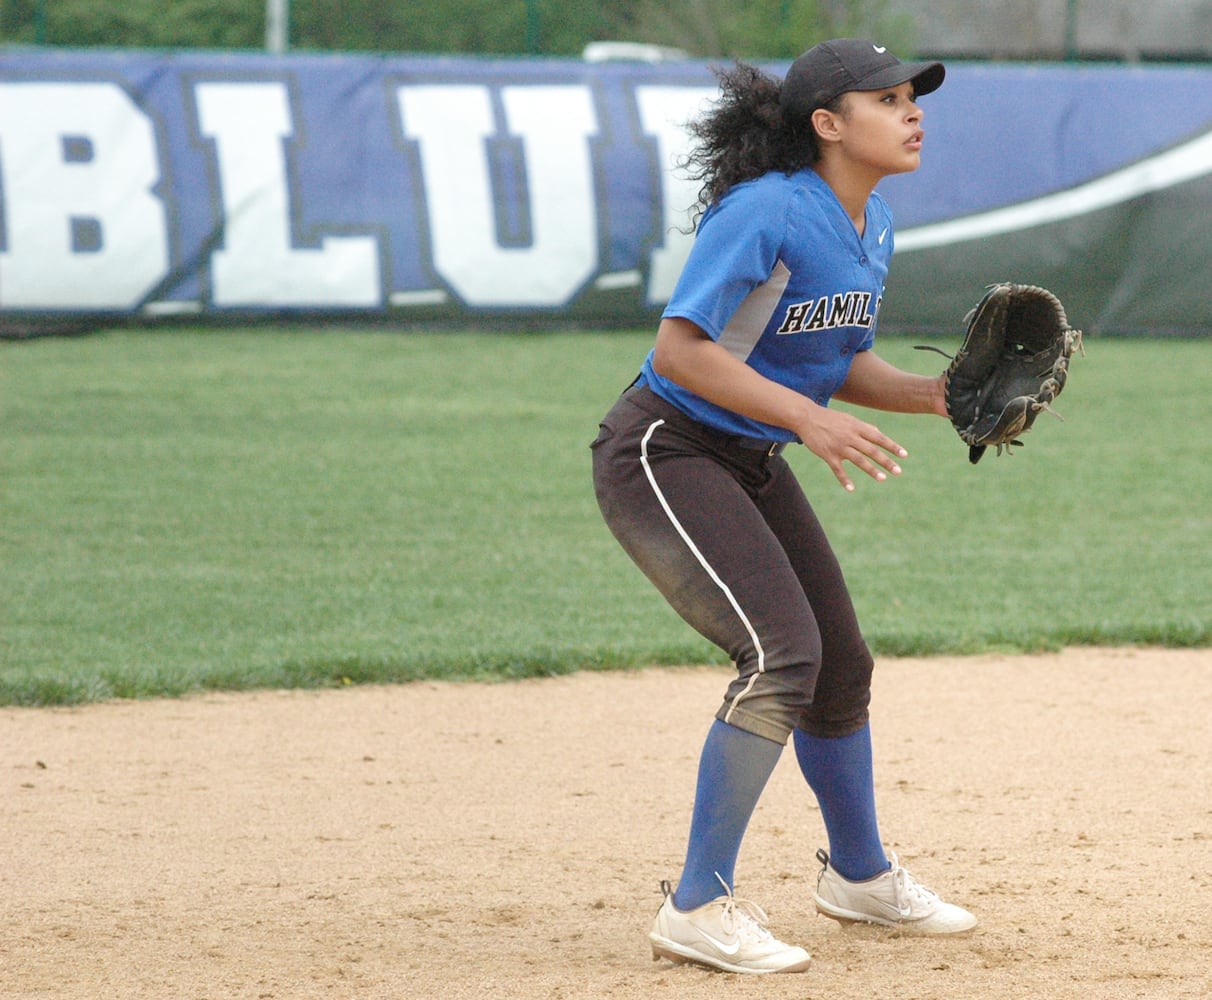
189,509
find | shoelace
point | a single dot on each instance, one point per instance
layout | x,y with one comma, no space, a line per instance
909,889
744,917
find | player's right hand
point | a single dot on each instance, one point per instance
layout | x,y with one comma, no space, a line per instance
836,437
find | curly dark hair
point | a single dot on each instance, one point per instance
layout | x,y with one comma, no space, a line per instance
746,134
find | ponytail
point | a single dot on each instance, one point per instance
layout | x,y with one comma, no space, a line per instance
744,135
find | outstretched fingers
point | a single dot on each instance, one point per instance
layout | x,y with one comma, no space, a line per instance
842,438
879,464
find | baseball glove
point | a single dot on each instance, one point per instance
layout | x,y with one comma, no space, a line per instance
1013,363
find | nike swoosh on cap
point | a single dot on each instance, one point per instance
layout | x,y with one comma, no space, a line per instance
881,49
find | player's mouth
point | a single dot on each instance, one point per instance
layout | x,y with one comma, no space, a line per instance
914,141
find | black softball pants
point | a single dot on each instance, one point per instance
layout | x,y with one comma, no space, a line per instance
723,530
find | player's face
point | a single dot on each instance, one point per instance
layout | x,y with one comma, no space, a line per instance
881,130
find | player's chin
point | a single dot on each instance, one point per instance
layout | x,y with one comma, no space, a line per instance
909,160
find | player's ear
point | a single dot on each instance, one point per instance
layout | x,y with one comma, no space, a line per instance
827,126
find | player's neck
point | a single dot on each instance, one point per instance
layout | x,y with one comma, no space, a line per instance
852,189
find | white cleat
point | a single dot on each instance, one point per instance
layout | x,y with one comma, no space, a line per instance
728,934
891,899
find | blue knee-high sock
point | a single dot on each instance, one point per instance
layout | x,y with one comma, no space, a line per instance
839,771
733,770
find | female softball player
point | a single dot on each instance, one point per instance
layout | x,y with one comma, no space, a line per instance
774,315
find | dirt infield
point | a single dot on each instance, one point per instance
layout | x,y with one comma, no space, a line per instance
506,841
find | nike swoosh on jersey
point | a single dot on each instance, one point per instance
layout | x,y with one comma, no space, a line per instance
882,235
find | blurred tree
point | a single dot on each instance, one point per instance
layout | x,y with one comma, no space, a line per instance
136,23
704,28
774,29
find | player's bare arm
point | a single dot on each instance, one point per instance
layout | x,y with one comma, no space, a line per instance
879,385
688,356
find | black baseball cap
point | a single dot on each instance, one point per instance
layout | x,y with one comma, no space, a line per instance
830,69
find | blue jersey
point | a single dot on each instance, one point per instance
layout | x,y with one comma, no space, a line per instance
779,276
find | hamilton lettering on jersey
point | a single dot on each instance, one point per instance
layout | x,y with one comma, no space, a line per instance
829,312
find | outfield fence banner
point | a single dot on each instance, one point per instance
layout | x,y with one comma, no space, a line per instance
140,185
